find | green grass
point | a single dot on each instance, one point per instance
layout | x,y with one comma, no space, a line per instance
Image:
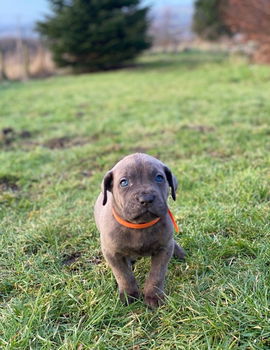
208,118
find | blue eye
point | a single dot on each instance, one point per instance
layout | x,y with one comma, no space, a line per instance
124,182
159,179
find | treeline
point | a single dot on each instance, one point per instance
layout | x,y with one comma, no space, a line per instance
90,35
249,18
99,35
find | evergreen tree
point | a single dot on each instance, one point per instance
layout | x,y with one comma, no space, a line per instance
95,34
207,21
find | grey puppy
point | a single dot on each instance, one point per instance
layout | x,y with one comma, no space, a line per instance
135,192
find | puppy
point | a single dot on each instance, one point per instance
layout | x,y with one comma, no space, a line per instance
134,221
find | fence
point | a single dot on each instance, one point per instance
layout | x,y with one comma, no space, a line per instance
21,59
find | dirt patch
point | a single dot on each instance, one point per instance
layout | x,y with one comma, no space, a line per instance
81,110
104,134
74,263
65,142
8,183
9,135
69,259
95,260
87,173
10,138
221,155
54,143
25,134
199,128
79,114
7,131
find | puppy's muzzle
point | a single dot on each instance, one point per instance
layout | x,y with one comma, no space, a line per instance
145,199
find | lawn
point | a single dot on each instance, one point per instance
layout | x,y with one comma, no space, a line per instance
208,118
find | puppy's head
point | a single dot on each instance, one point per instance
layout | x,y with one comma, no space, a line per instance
140,186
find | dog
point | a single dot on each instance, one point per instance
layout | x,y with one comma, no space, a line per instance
134,221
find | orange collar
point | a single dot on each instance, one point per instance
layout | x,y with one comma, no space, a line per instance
145,225
173,221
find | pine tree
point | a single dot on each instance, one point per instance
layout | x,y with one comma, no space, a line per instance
207,21
95,34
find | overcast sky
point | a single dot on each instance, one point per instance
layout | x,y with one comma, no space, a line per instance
28,11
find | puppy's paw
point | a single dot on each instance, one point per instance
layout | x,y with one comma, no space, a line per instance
154,300
129,297
179,252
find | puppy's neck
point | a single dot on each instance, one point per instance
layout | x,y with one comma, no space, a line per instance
128,224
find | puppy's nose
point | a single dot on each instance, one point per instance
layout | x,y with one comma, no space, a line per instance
145,199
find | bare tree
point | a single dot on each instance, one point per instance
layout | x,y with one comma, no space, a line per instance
251,18
165,29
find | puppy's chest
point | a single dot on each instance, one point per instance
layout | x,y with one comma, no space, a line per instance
142,243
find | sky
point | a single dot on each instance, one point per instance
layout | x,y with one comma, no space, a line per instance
29,11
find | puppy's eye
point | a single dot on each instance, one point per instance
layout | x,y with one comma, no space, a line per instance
159,178
124,182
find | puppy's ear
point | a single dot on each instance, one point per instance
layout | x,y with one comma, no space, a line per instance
173,183
107,185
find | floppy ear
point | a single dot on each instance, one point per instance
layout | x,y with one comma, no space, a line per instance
107,186
172,182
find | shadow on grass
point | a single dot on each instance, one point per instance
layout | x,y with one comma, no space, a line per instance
189,59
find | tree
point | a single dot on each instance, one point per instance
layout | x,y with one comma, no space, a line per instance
207,21
165,28
95,34
252,19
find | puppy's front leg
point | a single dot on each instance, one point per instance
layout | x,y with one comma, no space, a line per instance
154,285
121,268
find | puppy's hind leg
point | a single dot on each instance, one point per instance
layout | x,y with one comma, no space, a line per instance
178,252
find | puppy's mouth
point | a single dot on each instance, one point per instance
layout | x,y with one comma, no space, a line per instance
145,216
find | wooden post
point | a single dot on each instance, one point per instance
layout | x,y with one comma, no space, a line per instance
3,75
41,59
22,53
25,61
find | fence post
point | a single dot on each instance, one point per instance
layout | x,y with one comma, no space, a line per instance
3,75
22,52
25,61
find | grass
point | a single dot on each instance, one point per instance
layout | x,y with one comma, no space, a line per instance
207,118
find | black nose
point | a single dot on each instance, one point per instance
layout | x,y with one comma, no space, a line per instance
145,199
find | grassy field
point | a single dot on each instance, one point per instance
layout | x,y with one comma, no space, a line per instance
206,117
